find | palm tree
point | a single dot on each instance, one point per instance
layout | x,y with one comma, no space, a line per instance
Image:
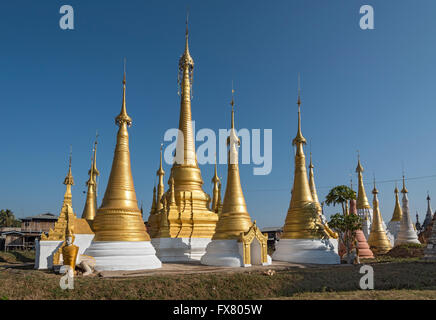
340,194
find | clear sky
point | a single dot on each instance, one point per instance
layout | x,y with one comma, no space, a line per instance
371,90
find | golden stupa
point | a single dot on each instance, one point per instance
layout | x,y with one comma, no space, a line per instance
362,201
186,208
234,218
80,226
378,240
90,209
398,213
303,217
232,244
314,193
216,193
305,238
154,219
119,218
121,241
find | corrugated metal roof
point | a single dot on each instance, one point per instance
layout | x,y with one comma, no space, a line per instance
42,216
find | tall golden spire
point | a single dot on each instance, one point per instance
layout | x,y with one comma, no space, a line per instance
362,200
234,218
153,202
378,240
119,218
160,186
90,209
312,181
189,215
398,213
215,193
302,217
186,67
69,181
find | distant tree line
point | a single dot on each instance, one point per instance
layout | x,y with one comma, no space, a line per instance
7,219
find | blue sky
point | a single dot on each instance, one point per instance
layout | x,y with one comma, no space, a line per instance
372,91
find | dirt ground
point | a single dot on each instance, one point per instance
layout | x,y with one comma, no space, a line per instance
393,279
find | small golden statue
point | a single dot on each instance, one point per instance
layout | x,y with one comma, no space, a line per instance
69,253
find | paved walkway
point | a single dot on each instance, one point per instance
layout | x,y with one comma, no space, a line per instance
194,268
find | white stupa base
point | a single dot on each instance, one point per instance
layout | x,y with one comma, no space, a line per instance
123,255
180,249
229,253
45,249
307,251
394,228
405,238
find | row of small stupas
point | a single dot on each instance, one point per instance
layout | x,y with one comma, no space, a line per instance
184,226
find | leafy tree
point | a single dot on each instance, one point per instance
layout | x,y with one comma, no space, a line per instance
7,219
346,225
340,195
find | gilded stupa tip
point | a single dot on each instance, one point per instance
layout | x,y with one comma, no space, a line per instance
186,59
359,167
299,138
215,178
374,190
428,196
123,117
396,216
404,190
310,161
69,180
160,171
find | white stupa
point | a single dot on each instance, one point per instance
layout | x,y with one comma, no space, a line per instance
407,233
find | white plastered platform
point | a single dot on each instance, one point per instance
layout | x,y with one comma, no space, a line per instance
315,251
44,250
123,255
229,253
180,249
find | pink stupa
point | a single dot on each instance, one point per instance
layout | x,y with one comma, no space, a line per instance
364,250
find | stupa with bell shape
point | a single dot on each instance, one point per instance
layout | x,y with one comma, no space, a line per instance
364,210
304,238
186,223
394,224
237,241
407,233
121,241
378,239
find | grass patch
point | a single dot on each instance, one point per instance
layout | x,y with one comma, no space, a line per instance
299,283
17,256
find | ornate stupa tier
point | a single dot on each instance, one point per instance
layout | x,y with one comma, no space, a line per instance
407,233
364,210
304,239
378,240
